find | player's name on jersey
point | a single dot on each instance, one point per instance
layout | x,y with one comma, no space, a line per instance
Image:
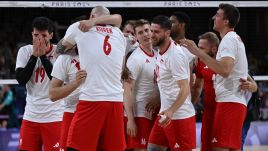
104,29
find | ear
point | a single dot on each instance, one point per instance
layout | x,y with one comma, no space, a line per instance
168,32
50,35
226,22
92,16
182,25
214,49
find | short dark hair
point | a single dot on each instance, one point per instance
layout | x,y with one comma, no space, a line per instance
140,22
211,37
231,13
43,23
163,21
130,22
183,18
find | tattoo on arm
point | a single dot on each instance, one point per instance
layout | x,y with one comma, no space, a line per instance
61,49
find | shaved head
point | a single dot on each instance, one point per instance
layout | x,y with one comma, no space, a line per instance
99,11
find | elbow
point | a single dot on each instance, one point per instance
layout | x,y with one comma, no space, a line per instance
118,18
20,78
225,73
52,96
20,81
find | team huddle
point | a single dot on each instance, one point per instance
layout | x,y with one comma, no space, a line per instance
103,89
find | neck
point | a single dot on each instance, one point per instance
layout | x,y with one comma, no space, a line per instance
163,47
148,48
48,47
224,31
178,38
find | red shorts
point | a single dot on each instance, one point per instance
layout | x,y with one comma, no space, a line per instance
144,127
66,122
97,126
34,135
179,135
206,131
227,125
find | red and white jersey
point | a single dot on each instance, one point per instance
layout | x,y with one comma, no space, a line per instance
205,73
101,53
227,89
171,66
39,108
141,66
65,69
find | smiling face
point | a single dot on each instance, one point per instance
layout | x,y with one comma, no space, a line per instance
158,34
143,34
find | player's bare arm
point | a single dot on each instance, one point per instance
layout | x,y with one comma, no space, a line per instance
184,92
58,91
197,89
129,105
64,46
222,67
153,102
114,20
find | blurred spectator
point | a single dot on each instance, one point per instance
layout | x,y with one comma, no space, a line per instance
128,32
7,108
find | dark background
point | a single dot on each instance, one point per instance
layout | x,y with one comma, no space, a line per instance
15,29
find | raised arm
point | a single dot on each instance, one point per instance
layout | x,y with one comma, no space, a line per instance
114,20
223,67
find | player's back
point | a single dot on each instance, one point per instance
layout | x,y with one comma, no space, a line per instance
101,52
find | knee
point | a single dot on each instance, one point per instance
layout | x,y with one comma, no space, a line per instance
154,147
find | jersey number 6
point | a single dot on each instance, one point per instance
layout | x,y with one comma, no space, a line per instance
107,46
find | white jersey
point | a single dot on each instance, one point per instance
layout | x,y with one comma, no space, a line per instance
65,69
39,108
171,66
141,66
188,54
101,53
227,89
